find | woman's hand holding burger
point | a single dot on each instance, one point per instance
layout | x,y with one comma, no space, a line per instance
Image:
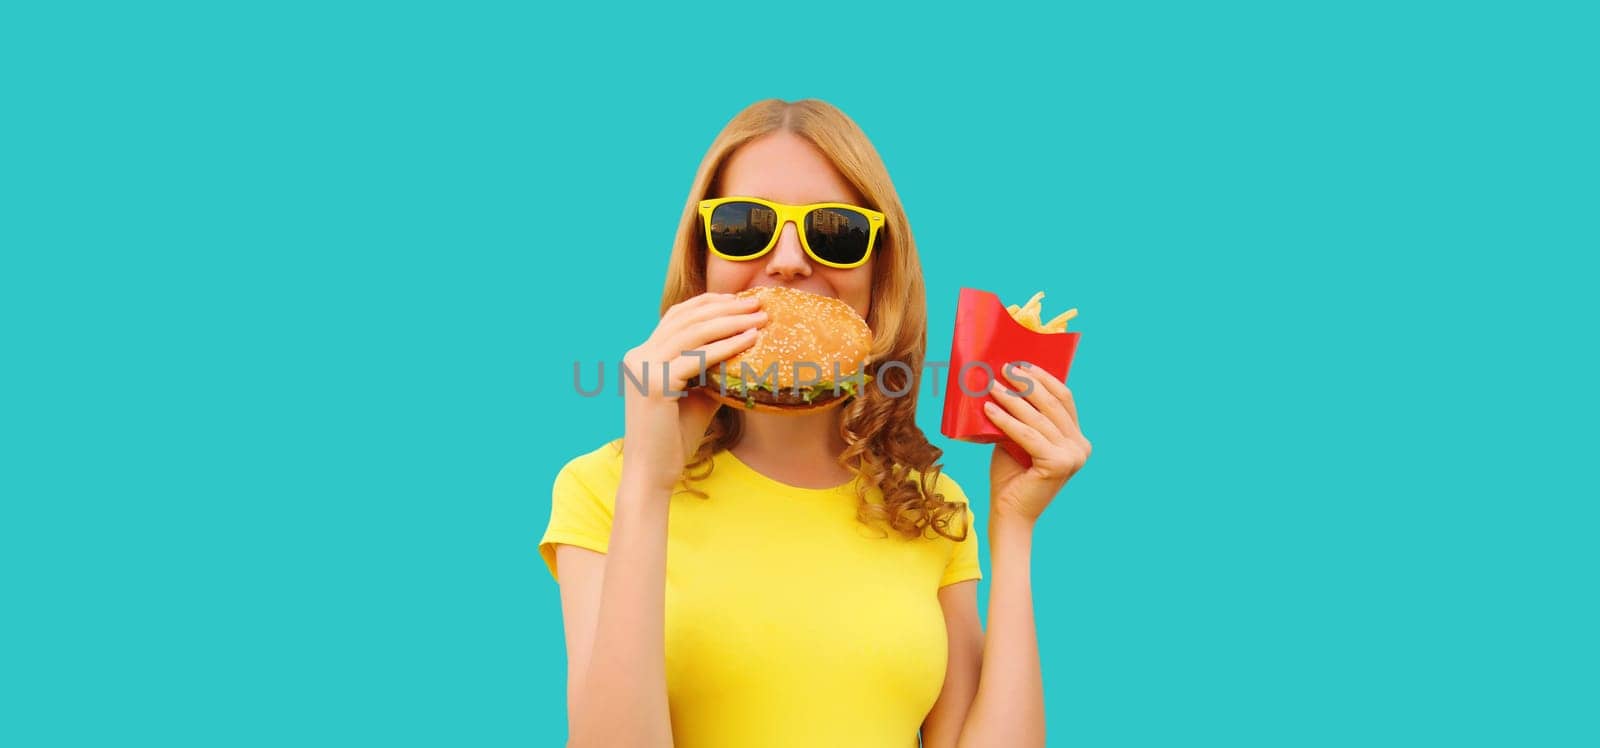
663,426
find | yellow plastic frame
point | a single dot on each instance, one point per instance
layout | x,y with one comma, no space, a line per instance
795,214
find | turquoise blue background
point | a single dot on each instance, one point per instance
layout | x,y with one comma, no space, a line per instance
291,294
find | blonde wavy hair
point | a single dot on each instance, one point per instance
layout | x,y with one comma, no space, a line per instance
884,444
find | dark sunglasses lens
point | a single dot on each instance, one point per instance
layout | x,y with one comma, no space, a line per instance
742,229
838,235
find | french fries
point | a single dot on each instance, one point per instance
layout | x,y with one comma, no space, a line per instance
1027,315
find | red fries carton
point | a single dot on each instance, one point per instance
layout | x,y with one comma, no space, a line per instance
986,339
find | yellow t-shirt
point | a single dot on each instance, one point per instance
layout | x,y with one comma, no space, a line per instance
788,621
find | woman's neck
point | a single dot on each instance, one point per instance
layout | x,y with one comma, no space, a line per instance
798,449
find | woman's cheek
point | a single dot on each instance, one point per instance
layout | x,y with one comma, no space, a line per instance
854,287
720,278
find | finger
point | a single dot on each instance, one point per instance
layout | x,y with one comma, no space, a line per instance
715,353
697,299
1024,435
1062,393
697,336
718,307
1024,411
1044,397
694,302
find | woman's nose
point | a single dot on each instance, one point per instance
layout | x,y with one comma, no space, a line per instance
789,259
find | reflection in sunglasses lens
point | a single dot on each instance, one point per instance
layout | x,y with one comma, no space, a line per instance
742,229
838,235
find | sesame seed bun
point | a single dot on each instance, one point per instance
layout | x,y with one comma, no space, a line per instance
806,336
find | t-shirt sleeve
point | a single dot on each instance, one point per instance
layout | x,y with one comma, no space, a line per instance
963,563
582,502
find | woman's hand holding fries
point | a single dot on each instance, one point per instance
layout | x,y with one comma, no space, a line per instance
1045,424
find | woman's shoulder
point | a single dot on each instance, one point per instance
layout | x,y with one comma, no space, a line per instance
598,465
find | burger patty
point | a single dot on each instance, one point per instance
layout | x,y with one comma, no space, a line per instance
784,395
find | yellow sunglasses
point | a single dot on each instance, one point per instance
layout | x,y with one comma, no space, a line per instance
838,235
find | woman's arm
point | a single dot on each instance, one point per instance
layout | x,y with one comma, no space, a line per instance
1042,417
1009,707
617,676
993,689
618,680
613,608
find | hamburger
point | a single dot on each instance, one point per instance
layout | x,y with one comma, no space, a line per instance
808,357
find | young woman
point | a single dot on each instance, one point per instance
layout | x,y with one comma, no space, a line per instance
817,582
